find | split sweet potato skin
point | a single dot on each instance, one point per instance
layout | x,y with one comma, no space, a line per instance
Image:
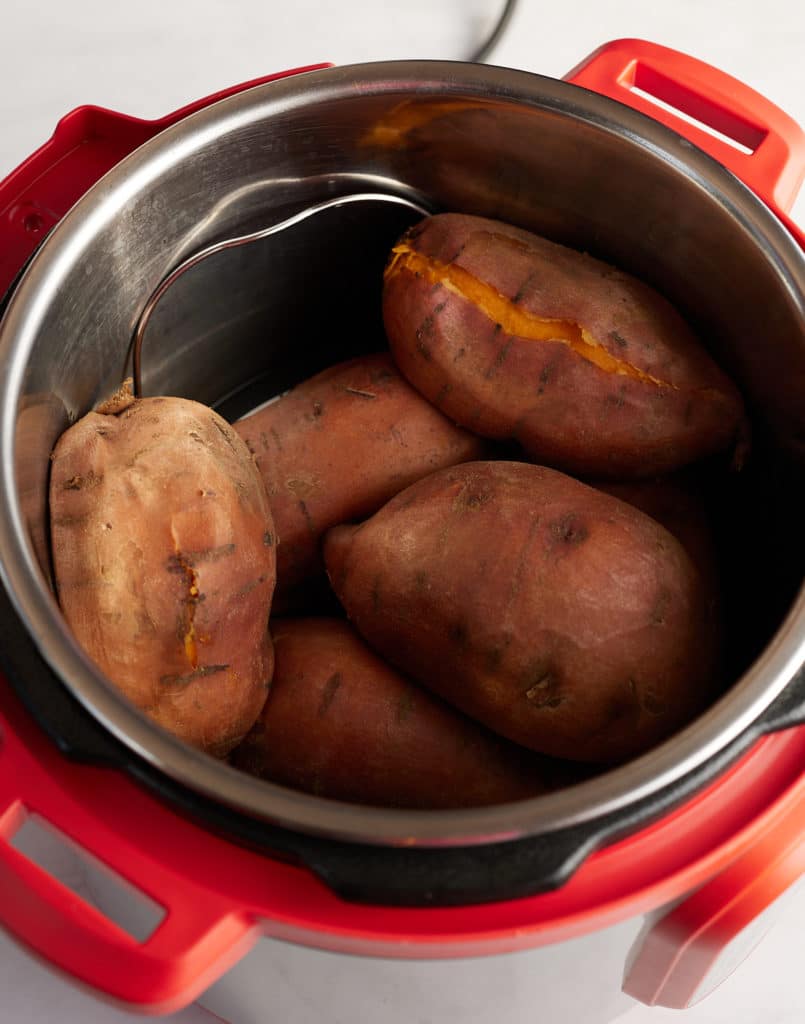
164,560
556,615
517,337
335,448
341,723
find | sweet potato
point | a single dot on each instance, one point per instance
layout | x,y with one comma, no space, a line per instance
163,555
516,337
338,446
676,506
340,723
556,615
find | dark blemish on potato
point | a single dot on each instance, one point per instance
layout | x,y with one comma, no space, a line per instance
359,393
181,561
460,354
308,518
228,435
660,608
650,703
318,409
619,339
268,539
101,432
68,521
421,333
459,635
421,580
546,373
195,436
405,705
328,694
569,529
617,400
277,441
456,254
444,391
476,498
80,483
415,231
518,296
439,306
646,699
251,448
500,358
382,375
247,588
180,681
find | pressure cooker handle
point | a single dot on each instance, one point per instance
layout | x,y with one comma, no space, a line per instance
756,140
87,143
694,947
201,935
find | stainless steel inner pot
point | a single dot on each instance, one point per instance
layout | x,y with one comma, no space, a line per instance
540,153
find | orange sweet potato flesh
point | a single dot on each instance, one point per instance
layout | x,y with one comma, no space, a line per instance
556,615
164,562
340,723
338,446
516,337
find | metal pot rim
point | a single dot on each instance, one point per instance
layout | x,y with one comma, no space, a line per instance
613,791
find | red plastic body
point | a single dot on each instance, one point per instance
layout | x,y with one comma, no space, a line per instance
740,843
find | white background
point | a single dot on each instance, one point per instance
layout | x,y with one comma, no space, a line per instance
152,56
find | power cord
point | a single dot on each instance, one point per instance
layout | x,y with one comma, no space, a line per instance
491,41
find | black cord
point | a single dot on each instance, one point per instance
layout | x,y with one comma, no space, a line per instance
483,51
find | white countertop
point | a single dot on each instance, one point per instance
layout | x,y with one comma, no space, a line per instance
150,57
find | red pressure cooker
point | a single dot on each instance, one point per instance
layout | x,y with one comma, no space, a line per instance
696,839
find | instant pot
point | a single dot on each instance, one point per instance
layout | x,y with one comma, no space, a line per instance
674,859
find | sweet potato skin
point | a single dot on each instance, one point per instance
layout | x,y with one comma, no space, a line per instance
674,504
164,561
340,723
556,615
338,446
629,392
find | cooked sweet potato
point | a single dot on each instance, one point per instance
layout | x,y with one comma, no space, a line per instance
516,337
163,555
676,506
556,615
338,446
341,723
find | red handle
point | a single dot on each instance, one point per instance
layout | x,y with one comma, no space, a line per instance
771,160
199,938
697,945
87,143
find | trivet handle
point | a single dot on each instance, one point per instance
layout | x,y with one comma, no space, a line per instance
759,143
